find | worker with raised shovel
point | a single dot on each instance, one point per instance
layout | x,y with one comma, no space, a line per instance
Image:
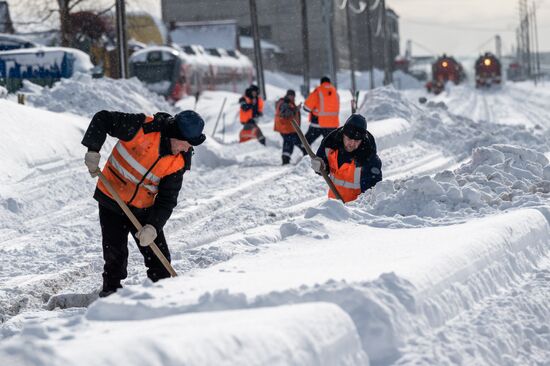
139,185
348,160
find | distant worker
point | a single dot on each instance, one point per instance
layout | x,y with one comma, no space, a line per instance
286,111
323,104
350,155
252,107
145,168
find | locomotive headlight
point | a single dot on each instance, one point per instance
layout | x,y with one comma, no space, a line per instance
444,64
487,62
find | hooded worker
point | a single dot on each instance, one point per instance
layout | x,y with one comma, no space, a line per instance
348,155
146,169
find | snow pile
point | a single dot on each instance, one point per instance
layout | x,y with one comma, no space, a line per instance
306,334
386,102
435,125
497,178
36,141
396,285
83,95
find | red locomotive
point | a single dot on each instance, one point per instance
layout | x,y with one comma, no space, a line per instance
488,70
445,69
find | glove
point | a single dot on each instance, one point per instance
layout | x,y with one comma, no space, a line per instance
318,165
91,159
146,235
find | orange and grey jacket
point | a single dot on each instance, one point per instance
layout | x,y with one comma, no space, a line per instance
285,111
250,110
141,167
352,173
324,104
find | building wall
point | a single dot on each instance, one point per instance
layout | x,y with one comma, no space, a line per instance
280,23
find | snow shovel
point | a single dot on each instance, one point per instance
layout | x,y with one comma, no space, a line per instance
312,155
137,224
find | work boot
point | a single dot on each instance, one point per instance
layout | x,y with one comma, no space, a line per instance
286,160
105,293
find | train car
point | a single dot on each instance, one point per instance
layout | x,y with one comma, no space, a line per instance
445,69
178,71
488,70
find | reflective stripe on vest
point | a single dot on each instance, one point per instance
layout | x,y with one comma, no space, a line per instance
322,111
349,186
135,164
135,169
126,174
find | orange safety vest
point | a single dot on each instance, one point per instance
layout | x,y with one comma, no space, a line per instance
246,116
249,133
283,125
346,178
135,169
324,103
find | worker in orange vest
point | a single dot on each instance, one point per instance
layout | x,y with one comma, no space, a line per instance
323,105
252,107
349,155
146,168
286,111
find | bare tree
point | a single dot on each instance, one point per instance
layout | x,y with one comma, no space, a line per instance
40,12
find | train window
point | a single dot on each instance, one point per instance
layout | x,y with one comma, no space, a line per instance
154,56
213,52
189,50
232,53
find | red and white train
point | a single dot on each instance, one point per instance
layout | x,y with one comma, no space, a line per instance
175,72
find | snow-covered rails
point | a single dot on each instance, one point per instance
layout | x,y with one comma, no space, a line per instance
488,70
176,72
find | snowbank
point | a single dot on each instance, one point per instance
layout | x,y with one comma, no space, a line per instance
85,96
36,141
309,334
392,283
497,178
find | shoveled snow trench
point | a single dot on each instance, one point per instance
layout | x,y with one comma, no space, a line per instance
445,262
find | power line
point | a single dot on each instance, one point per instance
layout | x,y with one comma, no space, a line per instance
456,27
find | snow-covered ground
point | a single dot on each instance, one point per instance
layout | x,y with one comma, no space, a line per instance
446,261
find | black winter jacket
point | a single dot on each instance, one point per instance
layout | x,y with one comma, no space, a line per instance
365,156
124,126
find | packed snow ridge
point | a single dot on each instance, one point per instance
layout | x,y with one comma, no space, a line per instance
446,261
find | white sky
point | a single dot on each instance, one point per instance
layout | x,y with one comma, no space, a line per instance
460,27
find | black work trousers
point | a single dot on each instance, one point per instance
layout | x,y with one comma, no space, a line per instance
115,228
313,132
289,141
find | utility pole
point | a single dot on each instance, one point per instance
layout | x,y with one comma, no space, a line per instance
526,36
387,67
257,48
498,46
350,50
329,39
305,47
122,44
369,45
536,36
408,50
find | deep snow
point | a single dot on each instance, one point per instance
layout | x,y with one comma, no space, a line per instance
443,262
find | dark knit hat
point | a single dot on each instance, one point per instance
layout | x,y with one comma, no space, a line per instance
325,79
355,127
188,126
290,92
